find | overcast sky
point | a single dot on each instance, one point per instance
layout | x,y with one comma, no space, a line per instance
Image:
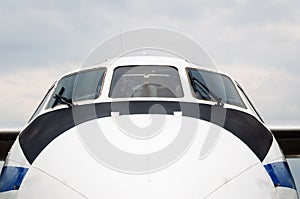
257,42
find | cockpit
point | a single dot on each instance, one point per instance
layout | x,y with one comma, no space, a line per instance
144,81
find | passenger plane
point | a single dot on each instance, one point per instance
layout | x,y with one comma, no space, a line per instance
142,125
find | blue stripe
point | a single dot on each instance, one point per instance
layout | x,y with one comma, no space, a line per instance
280,174
11,178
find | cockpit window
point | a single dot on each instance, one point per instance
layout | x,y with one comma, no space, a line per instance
214,86
146,81
83,85
42,104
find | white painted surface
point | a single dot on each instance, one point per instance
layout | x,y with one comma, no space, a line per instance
229,158
69,167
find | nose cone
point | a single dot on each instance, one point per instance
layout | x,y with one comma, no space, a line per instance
148,156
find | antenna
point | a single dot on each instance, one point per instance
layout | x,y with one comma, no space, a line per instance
121,41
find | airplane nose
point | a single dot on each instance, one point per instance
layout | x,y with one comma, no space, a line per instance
139,144
149,156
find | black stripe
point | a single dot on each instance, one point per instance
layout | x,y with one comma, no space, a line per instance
48,126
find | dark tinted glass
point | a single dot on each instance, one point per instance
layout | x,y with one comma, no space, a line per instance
218,84
79,86
146,81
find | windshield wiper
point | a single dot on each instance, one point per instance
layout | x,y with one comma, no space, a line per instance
61,99
195,81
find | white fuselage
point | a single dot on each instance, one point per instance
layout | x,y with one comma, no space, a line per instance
146,147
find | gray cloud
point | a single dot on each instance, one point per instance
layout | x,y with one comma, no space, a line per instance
274,92
239,34
253,13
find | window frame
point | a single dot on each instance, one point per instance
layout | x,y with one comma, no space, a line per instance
248,102
43,103
174,67
233,82
75,73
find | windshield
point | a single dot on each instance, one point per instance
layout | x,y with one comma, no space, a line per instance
146,81
211,86
78,86
42,104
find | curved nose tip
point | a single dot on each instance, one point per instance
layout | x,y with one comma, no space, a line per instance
156,142
96,158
